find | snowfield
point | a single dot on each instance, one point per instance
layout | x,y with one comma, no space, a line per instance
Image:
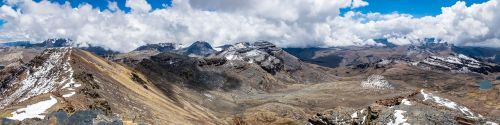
54,73
400,118
447,103
34,110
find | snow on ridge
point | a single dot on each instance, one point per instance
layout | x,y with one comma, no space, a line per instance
456,63
252,55
34,110
400,118
56,72
490,123
447,103
69,94
405,102
462,56
376,82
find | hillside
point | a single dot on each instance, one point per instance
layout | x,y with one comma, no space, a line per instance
71,85
249,83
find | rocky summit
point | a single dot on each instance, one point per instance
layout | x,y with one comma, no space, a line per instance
247,83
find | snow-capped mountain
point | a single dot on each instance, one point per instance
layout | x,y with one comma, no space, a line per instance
198,49
262,53
457,63
160,47
253,81
67,83
428,55
60,42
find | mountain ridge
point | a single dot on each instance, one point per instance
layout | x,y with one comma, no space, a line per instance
247,83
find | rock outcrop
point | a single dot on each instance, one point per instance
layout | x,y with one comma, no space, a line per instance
420,107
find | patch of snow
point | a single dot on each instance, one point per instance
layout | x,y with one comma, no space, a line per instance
446,103
364,119
233,57
69,94
376,82
218,49
54,73
384,62
240,46
253,53
405,102
434,63
34,110
467,58
209,97
400,118
491,123
354,115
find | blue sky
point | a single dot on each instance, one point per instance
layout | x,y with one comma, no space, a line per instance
1,23
103,4
416,8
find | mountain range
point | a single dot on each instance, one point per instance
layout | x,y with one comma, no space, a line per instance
53,82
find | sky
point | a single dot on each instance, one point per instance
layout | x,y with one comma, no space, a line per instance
124,25
417,8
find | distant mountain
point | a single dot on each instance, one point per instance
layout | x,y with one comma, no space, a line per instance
425,55
263,53
485,53
385,42
160,47
17,43
47,43
60,42
247,83
198,48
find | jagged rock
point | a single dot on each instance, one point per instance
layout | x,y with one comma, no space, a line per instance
263,53
411,109
376,82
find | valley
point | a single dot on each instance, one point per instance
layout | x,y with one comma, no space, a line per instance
247,83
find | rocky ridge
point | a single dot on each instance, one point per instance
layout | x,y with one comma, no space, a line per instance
416,108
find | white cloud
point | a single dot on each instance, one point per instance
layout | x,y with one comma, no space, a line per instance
295,23
113,6
138,5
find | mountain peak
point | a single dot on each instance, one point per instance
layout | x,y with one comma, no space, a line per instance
160,47
199,48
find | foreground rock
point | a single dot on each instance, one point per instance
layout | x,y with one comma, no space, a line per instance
421,107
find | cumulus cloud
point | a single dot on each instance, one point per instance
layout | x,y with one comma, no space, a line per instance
288,23
138,5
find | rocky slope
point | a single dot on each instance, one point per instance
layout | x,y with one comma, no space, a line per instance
251,83
65,85
160,47
430,56
420,107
